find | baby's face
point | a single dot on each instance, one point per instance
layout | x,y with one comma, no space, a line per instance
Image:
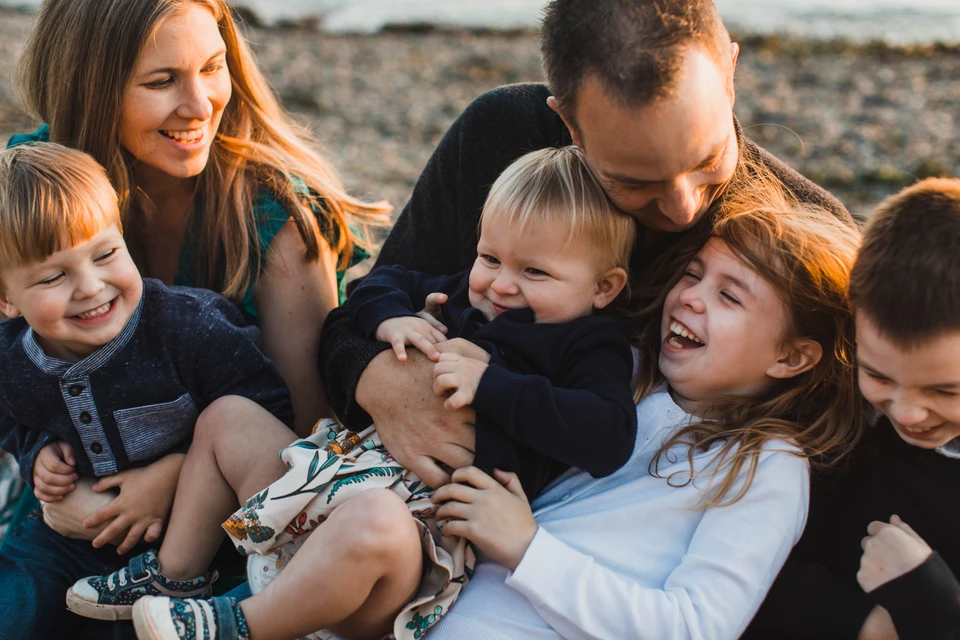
78,299
539,269
918,388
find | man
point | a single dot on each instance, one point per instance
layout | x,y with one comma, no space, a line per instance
645,88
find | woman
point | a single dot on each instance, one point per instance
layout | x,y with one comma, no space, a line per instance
218,187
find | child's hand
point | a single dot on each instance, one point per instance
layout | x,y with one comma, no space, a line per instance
141,509
408,330
889,551
54,472
461,375
493,513
432,312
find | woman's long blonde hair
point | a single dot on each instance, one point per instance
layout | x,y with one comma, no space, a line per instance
76,65
806,254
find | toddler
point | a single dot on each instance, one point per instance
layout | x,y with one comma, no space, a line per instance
102,373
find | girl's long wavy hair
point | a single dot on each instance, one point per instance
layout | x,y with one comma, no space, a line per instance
806,255
76,65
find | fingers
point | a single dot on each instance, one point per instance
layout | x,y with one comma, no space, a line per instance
152,534
455,456
131,539
455,491
49,459
454,511
399,349
67,454
51,495
426,344
109,482
429,471
113,531
104,513
903,526
511,482
459,399
876,527
474,477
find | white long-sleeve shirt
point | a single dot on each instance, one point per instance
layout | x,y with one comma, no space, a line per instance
629,556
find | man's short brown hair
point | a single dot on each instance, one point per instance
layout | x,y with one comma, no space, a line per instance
907,274
633,47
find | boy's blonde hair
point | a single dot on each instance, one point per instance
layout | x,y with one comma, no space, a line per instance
555,185
51,198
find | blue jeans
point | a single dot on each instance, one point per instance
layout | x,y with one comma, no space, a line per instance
37,566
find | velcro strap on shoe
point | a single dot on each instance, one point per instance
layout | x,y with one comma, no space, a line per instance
138,570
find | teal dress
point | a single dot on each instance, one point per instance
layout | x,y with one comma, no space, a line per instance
270,215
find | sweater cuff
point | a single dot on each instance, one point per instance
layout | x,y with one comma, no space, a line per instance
924,601
544,569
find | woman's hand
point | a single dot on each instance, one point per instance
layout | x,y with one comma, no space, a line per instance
878,626
142,508
493,513
890,551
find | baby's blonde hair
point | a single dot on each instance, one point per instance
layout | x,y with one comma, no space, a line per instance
555,185
51,198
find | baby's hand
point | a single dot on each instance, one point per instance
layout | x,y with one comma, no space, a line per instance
54,472
432,311
890,551
408,330
461,375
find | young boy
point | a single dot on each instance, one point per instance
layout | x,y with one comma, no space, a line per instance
900,488
101,372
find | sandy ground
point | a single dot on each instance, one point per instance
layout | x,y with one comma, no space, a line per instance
860,120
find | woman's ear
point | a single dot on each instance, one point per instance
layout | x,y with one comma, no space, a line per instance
798,356
609,285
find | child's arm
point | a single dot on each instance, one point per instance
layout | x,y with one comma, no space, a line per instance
718,585
909,580
587,419
54,472
393,292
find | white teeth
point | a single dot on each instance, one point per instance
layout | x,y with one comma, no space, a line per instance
184,136
680,330
93,313
675,343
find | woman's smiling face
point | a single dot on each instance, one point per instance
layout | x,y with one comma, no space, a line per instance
176,96
722,330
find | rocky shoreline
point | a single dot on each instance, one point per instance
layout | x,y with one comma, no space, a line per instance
862,120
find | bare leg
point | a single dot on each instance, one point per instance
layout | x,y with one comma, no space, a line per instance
352,575
233,455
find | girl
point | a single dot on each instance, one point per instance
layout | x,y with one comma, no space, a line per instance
219,188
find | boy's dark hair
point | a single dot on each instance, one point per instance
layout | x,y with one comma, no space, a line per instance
907,274
633,47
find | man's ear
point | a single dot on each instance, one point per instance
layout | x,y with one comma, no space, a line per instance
609,285
798,356
6,306
555,106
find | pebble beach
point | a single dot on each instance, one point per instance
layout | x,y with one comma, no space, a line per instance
863,120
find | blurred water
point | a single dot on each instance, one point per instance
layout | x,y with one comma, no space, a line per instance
897,21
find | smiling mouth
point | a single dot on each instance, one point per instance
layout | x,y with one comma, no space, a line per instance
682,337
95,313
184,137
918,431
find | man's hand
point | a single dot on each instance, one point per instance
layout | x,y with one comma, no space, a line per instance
460,375
142,508
54,472
889,551
413,331
411,420
464,348
493,513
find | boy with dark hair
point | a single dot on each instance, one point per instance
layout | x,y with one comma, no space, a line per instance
899,580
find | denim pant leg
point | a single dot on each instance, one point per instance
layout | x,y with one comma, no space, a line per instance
37,566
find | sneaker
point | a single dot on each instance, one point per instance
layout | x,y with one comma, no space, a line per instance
111,597
159,618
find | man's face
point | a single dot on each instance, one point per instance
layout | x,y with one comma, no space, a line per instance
918,389
664,162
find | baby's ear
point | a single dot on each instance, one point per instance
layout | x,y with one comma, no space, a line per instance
609,285
797,357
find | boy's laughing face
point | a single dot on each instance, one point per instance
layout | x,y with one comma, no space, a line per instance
918,388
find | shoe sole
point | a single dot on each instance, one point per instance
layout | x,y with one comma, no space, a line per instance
97,611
